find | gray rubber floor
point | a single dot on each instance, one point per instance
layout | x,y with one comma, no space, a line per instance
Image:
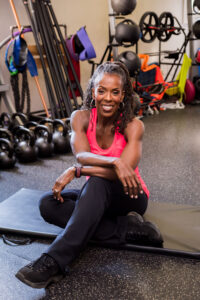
170,166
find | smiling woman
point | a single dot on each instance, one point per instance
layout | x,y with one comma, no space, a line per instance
106,140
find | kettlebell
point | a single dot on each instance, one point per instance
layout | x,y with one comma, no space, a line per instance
44,141
6,134
47,122
18,119
25,149
7,157
31,126
5,120
60,137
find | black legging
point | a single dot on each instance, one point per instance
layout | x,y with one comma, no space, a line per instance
97,211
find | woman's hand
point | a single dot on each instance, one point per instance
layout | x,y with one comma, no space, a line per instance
131,183
61,182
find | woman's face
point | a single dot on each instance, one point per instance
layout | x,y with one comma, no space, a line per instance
108,93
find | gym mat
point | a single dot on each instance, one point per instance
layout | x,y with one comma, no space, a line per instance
179,224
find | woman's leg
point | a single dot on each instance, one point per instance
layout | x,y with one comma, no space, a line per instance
55,212
93,201
113,225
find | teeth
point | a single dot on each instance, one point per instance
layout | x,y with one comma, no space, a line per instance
107,107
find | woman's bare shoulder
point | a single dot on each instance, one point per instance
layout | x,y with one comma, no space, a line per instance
135,127
80,117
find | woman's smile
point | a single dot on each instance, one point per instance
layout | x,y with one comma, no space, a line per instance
107,107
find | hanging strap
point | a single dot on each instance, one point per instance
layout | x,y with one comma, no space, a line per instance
88,51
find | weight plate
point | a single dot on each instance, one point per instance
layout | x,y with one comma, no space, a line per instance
166,24
149,26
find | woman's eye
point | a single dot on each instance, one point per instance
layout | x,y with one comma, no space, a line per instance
101,91
116,93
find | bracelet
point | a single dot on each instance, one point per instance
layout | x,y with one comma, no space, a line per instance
78,171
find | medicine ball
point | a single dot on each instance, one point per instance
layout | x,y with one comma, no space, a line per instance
189,92
123,7
196,29
196,81
131,61
196,4
127,32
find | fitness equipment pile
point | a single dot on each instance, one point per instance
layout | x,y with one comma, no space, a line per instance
51,43
32,140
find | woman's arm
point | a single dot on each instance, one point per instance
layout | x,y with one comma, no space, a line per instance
125,165
80,144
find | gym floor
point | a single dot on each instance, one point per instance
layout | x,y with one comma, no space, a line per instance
170,166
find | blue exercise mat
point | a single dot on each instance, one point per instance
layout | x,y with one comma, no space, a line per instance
179,224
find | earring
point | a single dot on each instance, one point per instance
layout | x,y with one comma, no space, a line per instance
92,103
121,106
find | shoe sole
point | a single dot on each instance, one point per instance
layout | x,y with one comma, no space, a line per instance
38,285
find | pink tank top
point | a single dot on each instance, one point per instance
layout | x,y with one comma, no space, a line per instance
115,150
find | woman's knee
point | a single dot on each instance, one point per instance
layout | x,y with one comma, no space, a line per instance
96,192
45,204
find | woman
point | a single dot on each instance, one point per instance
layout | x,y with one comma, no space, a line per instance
107,143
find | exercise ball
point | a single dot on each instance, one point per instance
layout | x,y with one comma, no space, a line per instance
196,29
131,61
127,32
189,92
124,7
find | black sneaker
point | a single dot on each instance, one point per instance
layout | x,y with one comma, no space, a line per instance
40,273
143,233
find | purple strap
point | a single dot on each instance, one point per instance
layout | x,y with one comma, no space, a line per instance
71,48
25,30
88,51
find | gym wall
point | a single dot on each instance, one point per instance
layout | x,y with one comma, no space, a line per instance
93,15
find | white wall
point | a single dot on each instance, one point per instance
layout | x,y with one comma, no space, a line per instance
94,15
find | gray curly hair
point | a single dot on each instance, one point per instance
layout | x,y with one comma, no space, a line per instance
126,112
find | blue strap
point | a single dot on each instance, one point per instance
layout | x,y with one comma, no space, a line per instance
31,65
9,63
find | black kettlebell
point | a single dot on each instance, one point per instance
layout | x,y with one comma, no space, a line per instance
31,125
5,120
6,134
25,149
61,137
47,122
7,157
18,119
44,141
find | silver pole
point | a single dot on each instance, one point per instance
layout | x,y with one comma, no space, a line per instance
112,29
